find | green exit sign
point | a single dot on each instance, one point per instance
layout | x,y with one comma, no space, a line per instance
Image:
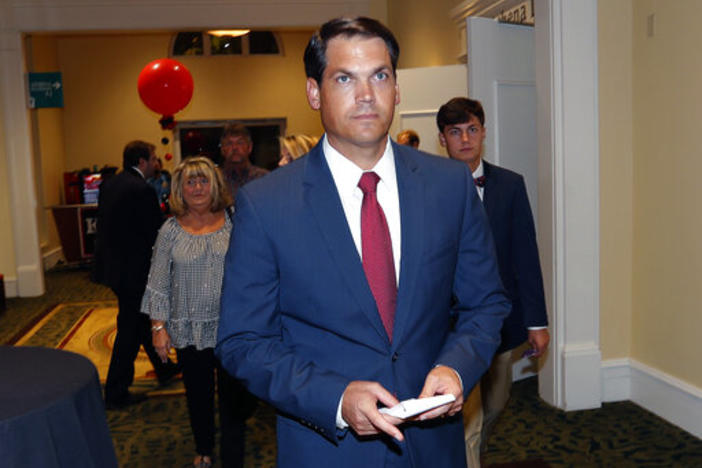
45,90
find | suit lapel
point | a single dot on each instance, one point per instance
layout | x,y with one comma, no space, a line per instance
322,197
410,187
489,188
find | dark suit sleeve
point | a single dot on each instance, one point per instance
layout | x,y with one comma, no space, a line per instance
480,303
527,268
250,344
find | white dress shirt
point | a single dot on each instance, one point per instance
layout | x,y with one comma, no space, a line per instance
346,175
479,172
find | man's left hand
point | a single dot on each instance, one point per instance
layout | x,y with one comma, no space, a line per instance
539,339
442,380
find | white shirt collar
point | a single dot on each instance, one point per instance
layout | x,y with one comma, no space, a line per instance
346,173
140,173
479,171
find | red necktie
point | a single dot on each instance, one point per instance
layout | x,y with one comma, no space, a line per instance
377,252
479,181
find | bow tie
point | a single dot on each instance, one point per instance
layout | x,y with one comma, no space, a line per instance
479,181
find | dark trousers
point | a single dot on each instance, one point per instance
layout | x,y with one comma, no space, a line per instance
199,381
133,331
236,405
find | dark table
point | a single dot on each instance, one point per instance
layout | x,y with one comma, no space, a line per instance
51,410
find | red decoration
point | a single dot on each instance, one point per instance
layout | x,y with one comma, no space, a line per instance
168,156
167,122
166,87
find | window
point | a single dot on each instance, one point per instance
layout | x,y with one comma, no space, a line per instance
262,43
202,138
187,43
204,43
225,45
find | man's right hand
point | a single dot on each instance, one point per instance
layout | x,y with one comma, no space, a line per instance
360,409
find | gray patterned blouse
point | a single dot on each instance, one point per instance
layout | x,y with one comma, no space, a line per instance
185,282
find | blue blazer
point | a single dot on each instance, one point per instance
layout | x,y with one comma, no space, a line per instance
507,207
299,322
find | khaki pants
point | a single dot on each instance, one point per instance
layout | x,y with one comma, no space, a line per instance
484,403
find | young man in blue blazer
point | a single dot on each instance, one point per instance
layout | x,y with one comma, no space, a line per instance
305,322
461,123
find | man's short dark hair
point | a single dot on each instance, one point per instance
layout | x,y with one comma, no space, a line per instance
315,53
235,129
136,150
459,110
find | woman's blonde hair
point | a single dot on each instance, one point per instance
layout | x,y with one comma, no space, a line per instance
199,166
298,145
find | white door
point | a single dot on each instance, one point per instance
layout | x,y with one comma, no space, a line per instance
422,92
501,76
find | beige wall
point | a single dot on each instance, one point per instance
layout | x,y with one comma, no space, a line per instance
426,33
103,110
616,176
48,143
666,321
7,251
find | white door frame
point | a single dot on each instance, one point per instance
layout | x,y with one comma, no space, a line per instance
16,132
567,116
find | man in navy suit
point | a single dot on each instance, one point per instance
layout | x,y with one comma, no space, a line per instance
461,130
305,328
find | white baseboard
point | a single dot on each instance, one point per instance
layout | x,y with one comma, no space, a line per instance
616,380
30,280
672,399
52,257
582,363
10,286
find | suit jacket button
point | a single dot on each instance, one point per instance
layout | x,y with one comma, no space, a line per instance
395,356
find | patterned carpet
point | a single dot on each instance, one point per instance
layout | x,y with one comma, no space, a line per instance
530,433
89,329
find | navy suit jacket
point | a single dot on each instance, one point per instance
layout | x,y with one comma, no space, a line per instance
299,322
507,207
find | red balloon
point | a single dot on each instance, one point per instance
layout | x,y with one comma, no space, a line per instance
165,86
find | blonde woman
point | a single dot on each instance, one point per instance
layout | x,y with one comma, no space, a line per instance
182,298
294,146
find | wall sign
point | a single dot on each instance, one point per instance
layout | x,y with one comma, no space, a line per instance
519,14
45,90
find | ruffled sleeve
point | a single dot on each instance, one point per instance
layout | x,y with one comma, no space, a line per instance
156,302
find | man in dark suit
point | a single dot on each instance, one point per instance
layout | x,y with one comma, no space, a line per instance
461,130
340,294
128,221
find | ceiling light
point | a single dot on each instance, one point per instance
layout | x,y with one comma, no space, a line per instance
229,32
